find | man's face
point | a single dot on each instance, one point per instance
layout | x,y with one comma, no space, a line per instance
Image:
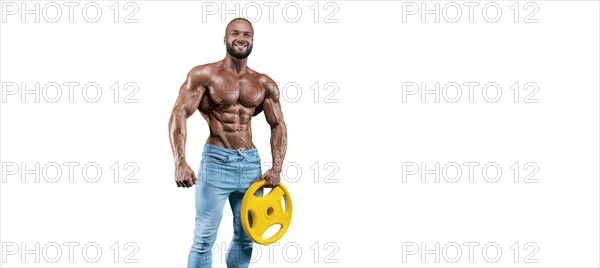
238,39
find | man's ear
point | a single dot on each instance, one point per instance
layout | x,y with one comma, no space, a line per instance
224,40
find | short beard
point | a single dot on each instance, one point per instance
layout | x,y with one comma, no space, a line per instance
238,55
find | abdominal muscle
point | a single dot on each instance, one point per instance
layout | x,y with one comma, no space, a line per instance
230,127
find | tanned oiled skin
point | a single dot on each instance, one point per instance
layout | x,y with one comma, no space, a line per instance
228,94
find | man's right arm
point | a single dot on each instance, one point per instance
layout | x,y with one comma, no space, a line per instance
190,95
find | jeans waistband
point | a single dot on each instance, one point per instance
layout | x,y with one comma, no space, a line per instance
241,151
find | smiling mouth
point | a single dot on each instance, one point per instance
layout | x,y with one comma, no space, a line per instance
240,45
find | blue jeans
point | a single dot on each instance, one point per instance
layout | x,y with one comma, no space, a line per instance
223,173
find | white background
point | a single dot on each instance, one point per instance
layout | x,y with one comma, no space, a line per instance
366,215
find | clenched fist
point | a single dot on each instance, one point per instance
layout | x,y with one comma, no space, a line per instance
185,176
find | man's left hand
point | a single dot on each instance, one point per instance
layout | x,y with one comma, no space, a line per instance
272,178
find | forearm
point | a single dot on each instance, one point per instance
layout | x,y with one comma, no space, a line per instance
278,145
177,136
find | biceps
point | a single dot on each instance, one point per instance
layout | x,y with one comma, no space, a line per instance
273,112
188,100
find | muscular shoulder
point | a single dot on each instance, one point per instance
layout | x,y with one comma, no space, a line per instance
269,84
200,74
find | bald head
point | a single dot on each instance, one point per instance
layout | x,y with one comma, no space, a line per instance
238,20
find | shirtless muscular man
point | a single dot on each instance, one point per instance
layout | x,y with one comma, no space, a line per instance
228,94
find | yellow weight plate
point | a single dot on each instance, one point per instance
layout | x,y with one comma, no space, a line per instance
265,212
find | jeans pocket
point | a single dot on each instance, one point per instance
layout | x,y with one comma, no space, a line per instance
210,157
